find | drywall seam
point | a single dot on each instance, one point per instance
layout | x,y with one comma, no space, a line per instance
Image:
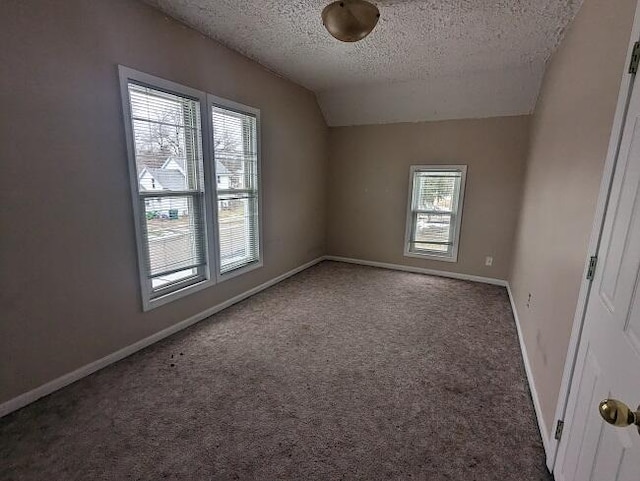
532,386
69,378
419,270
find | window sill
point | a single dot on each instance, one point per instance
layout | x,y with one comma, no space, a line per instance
432,256
239,271
149,304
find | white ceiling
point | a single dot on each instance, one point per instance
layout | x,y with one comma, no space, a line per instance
425,60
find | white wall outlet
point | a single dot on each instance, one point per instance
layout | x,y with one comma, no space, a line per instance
488,261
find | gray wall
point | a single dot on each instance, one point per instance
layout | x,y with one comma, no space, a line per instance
569,138
68,278
368,186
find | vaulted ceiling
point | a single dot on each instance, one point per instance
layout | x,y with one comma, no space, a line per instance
425,60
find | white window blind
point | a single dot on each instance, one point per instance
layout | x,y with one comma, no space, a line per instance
194,165
167,137
237,186
434,214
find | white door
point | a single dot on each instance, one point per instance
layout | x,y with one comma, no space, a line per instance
608,361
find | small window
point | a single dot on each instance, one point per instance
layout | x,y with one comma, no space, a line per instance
435,211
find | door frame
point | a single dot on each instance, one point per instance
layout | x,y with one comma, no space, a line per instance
624,95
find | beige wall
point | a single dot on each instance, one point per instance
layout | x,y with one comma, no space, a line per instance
368,186
69,290
68,278
569,139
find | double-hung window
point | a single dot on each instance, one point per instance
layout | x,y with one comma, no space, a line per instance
434,212
195,177
235,148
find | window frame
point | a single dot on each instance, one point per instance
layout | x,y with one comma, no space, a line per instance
211,271
215,101
456,216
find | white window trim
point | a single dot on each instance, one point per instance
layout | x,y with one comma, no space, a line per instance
458,217
213,101
212,272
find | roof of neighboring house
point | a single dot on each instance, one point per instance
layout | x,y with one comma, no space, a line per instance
221,168
149,161
171,179
178,160
174,179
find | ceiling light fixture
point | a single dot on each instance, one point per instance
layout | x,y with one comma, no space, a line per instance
350,20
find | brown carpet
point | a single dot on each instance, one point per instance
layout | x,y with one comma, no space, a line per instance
342,372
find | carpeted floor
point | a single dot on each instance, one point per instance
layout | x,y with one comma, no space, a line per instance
342,372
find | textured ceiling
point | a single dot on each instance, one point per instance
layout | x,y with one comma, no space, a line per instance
430,59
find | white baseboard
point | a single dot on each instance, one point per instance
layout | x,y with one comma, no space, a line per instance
487,280
419,270
58,383
532,385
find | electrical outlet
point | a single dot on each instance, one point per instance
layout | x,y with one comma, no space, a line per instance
529,301
488,261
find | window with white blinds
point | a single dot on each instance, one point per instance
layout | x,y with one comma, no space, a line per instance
167,133
435,211
235,150
194,168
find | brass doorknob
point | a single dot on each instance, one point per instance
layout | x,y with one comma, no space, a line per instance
618,413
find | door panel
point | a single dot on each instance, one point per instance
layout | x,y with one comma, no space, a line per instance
620,249
582,419
613,450
632,327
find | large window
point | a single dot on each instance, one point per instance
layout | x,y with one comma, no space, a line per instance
195,176
435,211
